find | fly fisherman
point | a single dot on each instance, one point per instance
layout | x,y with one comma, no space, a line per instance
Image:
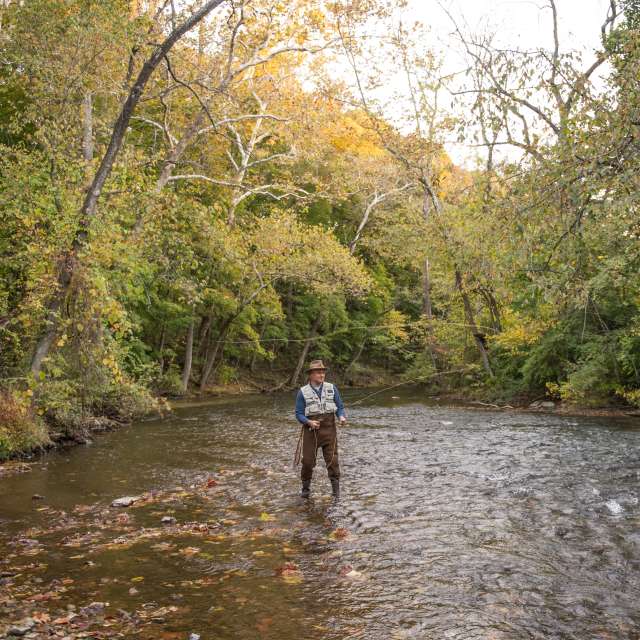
316,406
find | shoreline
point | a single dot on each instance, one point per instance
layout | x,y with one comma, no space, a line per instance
95,425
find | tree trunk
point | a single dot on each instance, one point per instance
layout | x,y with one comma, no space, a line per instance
87,127
468,312
212,354
305,350
188,357
426,290
494,308
428,311
290,300
361,226
358,353
176,153
203,333
163,333
265,323
69,263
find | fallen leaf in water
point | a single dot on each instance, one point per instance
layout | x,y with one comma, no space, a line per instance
211,482
266,517
156,614
290,573
339,534
137,579
263,624
217,538
190,551
349,572
41,616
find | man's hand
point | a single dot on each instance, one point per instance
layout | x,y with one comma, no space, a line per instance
343,420
314,424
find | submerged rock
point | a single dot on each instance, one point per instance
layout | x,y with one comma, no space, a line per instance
126,501
543,404
614,507
21,628
93,608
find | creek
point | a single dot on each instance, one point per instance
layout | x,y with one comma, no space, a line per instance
453,522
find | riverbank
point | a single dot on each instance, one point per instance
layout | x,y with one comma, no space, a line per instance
44,436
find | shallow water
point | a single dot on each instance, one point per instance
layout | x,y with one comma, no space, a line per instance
453,523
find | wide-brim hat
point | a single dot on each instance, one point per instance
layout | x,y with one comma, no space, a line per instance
315,365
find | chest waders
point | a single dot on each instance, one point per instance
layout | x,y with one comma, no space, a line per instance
321,408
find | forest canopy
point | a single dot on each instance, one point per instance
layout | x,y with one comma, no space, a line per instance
199,194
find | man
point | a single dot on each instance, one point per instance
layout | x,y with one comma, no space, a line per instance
317,404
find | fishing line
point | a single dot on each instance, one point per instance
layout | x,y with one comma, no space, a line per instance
399,384
351,328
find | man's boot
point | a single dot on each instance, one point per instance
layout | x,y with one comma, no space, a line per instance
306,488
335,486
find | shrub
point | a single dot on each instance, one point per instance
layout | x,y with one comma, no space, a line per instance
21,429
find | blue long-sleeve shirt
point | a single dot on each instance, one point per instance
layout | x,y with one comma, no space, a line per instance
300,404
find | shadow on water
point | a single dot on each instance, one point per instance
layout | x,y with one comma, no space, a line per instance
453,523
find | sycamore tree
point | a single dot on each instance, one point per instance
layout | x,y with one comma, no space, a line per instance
565,252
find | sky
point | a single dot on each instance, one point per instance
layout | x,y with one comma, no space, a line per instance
523,22
519,24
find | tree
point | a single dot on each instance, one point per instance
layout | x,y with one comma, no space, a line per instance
89,206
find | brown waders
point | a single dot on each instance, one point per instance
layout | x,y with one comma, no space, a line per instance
326,437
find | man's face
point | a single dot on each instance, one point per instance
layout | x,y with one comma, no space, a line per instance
316,376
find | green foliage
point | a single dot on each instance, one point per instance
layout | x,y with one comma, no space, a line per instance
21,429
538,258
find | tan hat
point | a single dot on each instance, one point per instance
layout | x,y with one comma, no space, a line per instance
316,364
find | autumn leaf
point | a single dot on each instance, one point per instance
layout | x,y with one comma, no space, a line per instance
290,573
263,624
339,534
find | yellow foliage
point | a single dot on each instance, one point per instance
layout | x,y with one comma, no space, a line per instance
519,332
347,135
395,324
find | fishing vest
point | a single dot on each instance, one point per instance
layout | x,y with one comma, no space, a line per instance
314,405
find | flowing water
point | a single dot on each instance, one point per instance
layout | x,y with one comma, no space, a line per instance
453,523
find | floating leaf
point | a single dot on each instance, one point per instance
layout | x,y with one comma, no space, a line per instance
190,551
339,534
290,573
